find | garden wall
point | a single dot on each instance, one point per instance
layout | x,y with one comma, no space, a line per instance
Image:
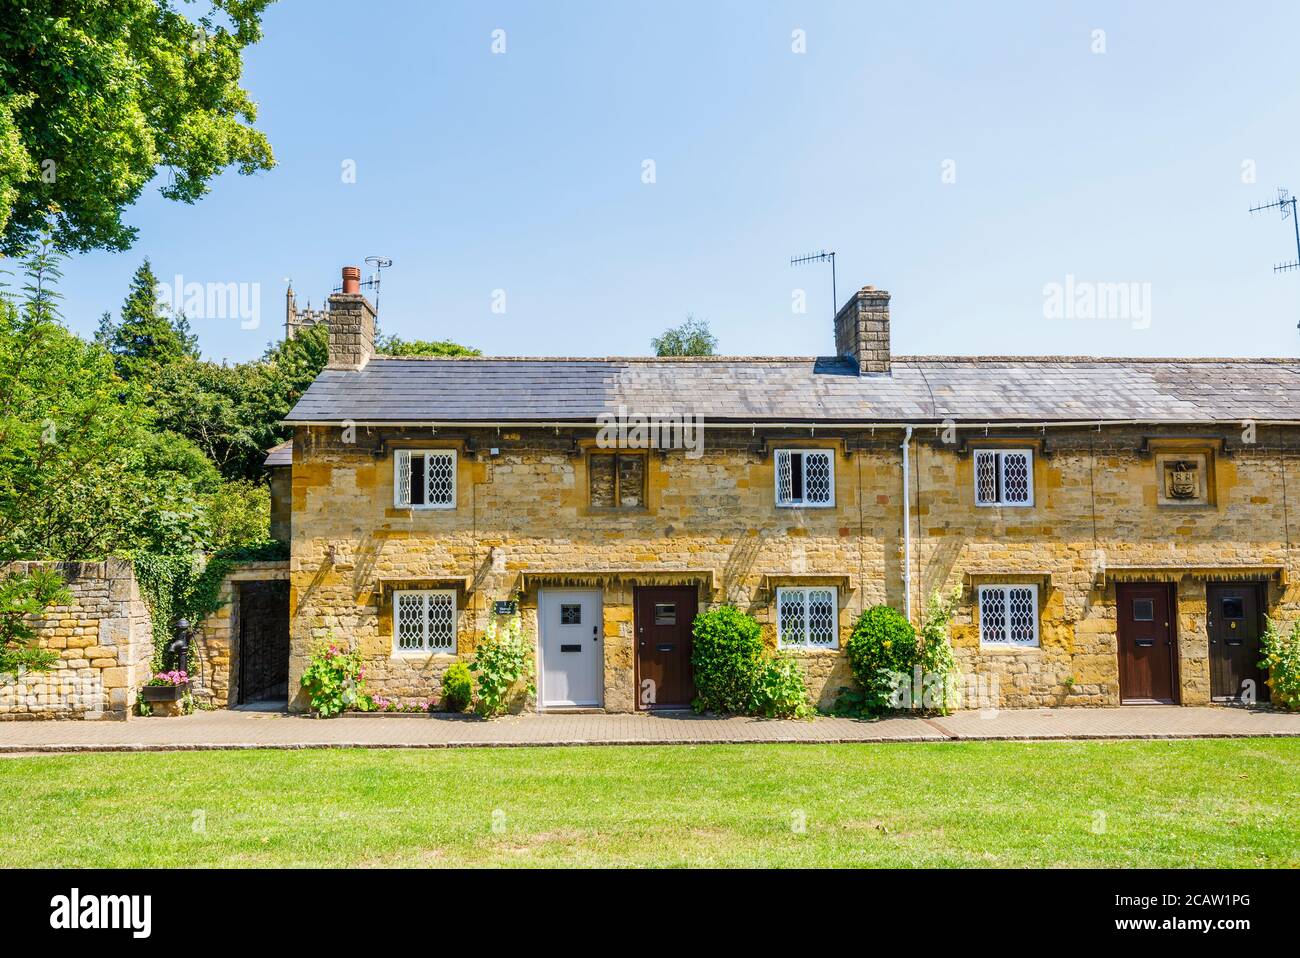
104,642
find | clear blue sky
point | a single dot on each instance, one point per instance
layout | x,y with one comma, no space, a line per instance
523,171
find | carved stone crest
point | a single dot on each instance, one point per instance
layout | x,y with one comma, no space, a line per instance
1182,479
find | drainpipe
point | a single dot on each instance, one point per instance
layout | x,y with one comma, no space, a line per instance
907,527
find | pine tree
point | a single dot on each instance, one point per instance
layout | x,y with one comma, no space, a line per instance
146,339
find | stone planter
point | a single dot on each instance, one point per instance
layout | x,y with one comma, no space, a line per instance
164,693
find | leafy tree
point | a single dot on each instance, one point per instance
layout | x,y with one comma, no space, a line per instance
238,514
211,405
146,339
96,97
83,472
395,346
691,338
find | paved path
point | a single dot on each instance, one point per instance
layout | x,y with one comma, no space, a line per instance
240,729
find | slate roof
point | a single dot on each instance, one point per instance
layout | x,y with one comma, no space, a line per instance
281,455
757,389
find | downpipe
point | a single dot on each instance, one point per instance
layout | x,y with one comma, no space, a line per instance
907,525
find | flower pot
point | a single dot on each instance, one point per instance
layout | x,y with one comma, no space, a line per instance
164,693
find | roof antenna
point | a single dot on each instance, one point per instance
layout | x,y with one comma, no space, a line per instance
379,264
821,256
1285,203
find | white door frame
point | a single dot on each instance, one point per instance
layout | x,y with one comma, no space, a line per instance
550,595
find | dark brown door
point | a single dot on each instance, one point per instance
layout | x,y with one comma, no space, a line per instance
263,641
664,618
1147,642
1232,618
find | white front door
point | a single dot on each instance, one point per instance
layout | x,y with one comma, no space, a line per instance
572,648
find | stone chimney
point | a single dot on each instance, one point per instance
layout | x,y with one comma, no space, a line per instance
352,324
862,330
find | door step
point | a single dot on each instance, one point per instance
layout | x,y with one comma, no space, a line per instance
562,710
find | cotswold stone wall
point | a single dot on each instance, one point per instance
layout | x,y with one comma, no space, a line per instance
523,522
103,640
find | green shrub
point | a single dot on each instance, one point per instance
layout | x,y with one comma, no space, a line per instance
898,668
24,596
333,680
503,666
457,688
1282,662
728,660
780,691
883,645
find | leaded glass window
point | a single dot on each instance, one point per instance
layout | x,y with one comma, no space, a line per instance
1008,615
805,477
424,479
424,621
1004,477
808,617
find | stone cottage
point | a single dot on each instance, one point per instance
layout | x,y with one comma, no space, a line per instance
1117,528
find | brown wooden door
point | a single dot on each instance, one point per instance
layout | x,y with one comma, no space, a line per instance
663,621
1148,646
1232,618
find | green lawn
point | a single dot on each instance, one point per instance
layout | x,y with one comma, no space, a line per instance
1210,803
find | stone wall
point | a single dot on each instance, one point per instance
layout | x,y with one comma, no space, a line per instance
281,506
523,522
104,642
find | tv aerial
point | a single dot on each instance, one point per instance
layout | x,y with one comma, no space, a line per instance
1286,205
821,256
378,264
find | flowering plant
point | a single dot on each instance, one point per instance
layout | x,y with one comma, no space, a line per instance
381,704
174,677
333,680
1282,660
503,667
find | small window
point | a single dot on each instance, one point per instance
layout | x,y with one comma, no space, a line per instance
805,477
570,613
1004,477
665,613
616,480
424,479
808,618
424,621
1144,610
1233,607
1008,615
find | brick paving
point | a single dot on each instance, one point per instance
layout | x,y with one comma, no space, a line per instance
250,729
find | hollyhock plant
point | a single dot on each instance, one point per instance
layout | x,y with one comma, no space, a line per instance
333,681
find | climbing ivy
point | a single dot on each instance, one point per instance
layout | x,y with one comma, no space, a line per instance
186,587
